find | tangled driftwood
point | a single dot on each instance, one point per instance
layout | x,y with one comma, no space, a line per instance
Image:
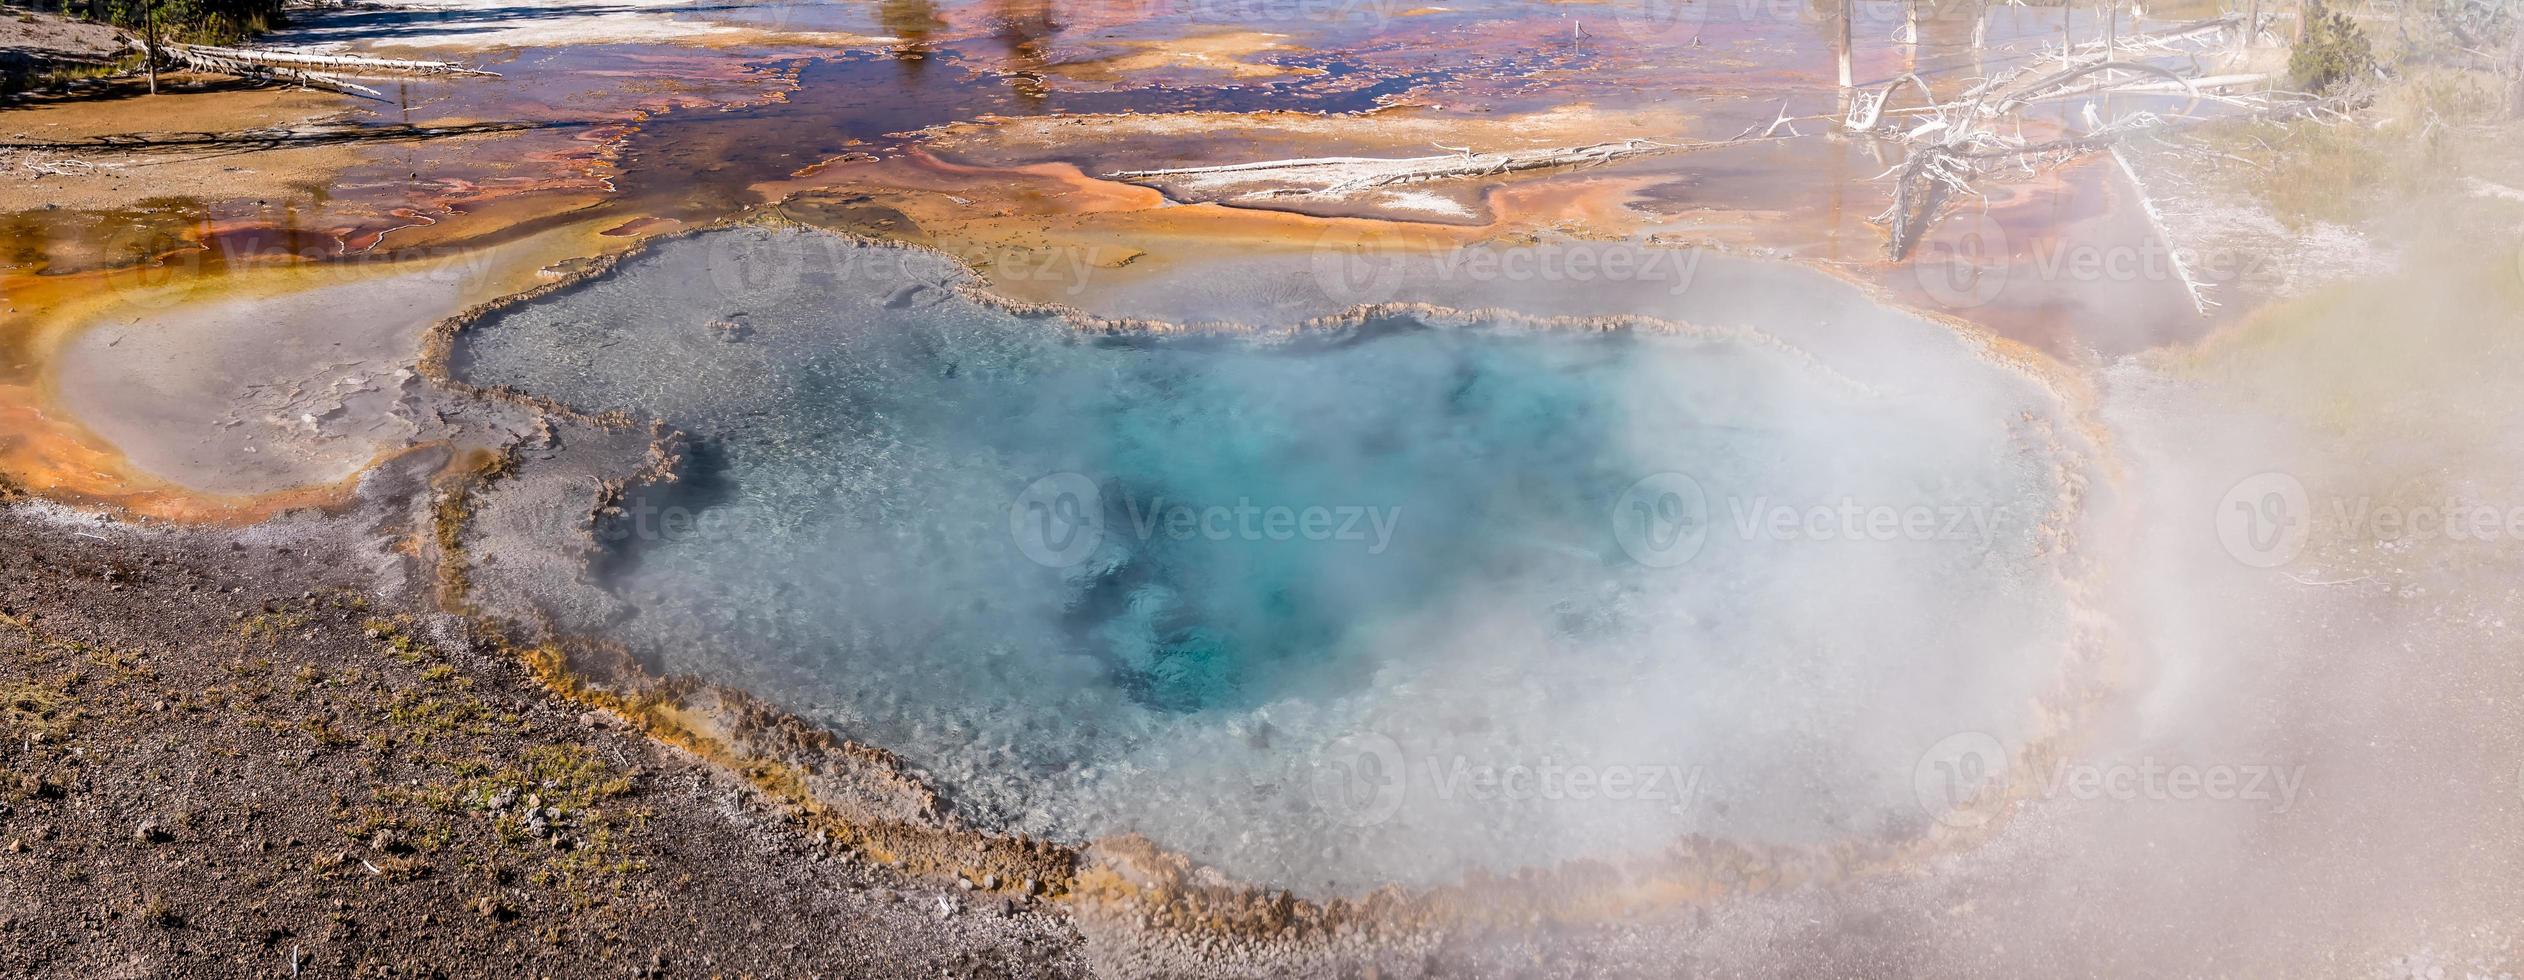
1951,144
1979,133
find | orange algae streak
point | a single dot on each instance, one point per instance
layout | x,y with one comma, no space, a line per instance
46,452
58,460
642,227
1034,189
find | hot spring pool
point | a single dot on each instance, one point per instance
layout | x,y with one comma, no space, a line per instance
1332,608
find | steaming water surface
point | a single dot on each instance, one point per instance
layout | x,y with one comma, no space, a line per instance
1332,608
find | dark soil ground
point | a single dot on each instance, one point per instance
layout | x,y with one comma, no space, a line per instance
54,36
221,754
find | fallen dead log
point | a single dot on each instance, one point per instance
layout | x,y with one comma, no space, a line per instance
295,67
1868,107
2209,82
267,138
2165,39
186,56
2191,284
353,66
2055,85
1342,174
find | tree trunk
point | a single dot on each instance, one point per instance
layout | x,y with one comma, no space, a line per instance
2515,74
1848,15
149,28
2068,37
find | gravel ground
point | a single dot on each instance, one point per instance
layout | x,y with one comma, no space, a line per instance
223,754
55,38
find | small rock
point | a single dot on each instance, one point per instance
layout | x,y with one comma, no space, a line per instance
149,832
492,907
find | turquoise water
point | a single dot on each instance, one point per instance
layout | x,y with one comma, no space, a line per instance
1167,585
